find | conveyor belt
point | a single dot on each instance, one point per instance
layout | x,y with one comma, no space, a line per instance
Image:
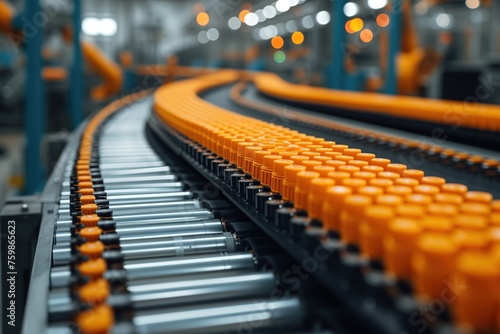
394,233
291,233
140,247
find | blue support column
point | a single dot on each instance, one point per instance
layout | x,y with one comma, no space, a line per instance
76,87
338,44
35,104
395,27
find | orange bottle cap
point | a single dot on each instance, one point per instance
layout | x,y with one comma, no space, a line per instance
495,205
89,209
310,154
396,168
382,183
405,231
404,181
415,174
279,166
469,240
93,268
291,172
89,220
304,179
372,169
442,209
297,159
345,158
320,185
426,189
475,209
420,199
288,154
90,233
357,163
269,161
364,175
86,184
338,176
323,170
310,164
433,181
84,178
235,142
437,224
398,190
381,162
478,197
335,163
314,147
353,183
250,151
454,188
471,222
242,147
410,211
259,157
321,158
354,204
495,219
399,246
336,195
388,175
339,148
86,191
87,199
437,248
448,198
348,169
94,291
97,320
92,249
370,191
328,144
365,156
478,268
378,215
389,200
332,154
352,152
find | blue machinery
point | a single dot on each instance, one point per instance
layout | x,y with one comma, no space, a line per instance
31,23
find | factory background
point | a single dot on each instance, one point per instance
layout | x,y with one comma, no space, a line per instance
379,126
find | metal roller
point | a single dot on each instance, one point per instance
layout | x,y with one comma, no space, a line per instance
138,231
141,198
153,245
164,267
141,189
146,207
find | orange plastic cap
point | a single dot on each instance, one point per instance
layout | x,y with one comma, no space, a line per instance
279,166
352,152
410,211
388,175
320,185
381,162
90,233
475,209
426,189
89,220
269,161
89,209
364,175
355,204
304,179
336,195
87,199
447,198
297,159
357,163
471,222
478,197
437,224
348,169
365,156
405,181
398,190
93,268
433,181
396,168
310,164
415,174
454,188
382,183
323,170
495,205
335,163
370,191
291,172
419,199
259,157
94,291
372,169
353,183
338,176
389,200
97,320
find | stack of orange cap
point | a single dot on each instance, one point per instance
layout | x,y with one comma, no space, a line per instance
303,188
350,216
373,227
290,180
317,195
233,153
279,174
334,199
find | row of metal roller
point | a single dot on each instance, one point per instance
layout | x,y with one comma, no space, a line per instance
135,252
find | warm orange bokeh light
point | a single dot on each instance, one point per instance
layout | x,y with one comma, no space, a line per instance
297,37
242,15
202,18
383,20
348,27
357,24
277,42
366,35
198,7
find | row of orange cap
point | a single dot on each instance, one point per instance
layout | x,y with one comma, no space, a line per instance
100,318
421,227
439,153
